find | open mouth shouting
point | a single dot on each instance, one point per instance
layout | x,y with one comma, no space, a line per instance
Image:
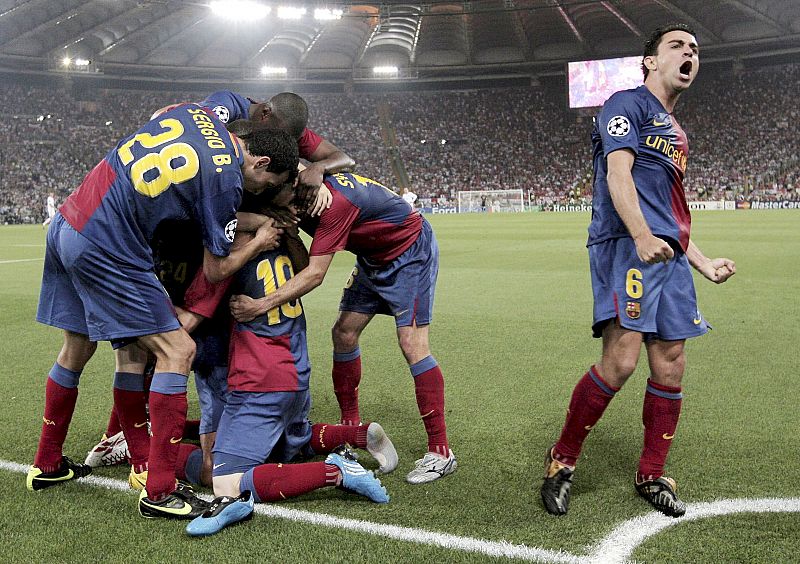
685,70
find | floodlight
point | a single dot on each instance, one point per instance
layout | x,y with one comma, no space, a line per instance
274,71
239,10
385,71
290,13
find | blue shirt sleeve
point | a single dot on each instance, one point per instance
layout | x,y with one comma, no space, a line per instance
227,105
619,122
215,210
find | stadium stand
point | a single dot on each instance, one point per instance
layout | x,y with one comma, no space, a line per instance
742,142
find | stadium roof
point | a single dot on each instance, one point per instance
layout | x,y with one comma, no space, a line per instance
186,39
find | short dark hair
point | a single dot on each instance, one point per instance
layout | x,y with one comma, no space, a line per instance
264,141
292,110
652,43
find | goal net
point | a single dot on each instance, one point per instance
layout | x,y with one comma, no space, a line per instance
489,201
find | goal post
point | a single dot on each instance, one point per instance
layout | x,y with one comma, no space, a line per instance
477,201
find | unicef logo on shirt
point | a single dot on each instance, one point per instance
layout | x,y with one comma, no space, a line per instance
222,113
230,230
618,126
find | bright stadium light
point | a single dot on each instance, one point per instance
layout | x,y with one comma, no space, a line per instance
325,14
385,71
66,61
239,10
82,62
290,13
274,71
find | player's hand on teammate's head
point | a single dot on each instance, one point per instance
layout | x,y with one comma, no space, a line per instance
313,199
269,235
311,175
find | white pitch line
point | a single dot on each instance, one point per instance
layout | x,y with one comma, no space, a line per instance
20,260
419,536
615,548
625,538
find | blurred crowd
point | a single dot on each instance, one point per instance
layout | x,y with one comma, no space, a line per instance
741,144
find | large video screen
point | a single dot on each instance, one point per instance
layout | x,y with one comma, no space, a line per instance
591,83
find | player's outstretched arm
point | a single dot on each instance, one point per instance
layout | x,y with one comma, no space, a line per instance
717,270
244,308
650,248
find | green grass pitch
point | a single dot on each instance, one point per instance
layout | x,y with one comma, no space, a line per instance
511,332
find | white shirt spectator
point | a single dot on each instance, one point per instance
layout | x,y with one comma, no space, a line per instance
409,197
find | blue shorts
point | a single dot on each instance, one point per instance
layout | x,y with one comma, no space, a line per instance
404,288
212,391
257,426
87,291
657,300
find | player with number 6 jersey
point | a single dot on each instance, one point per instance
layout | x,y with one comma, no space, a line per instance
640,253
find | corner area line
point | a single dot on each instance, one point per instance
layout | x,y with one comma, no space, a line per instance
408,534
626,537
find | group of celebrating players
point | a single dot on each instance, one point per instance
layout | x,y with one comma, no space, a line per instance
181,248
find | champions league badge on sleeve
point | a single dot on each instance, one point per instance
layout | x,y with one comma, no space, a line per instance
230,230
222,113
618,126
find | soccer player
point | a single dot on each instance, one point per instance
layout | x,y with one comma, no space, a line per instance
397,262
50,207
640,251
266,416
99,284
289,112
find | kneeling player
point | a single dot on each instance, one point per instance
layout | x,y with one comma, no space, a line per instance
266,417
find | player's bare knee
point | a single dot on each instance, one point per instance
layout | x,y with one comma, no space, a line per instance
413,345
344,340
76,351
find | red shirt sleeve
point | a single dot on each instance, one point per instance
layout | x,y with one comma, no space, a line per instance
308,143
334,227
202,297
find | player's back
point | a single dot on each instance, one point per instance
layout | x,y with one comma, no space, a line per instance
381,224
181,165
269,353
261,276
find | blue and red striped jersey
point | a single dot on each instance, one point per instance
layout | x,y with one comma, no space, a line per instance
636,120
366,218
181,165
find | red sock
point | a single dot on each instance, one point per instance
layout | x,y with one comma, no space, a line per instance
346,376
589,400
274,482
325,438
59,405
183,455
191,429
114,426
429,389
131,411
167,416
662,408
